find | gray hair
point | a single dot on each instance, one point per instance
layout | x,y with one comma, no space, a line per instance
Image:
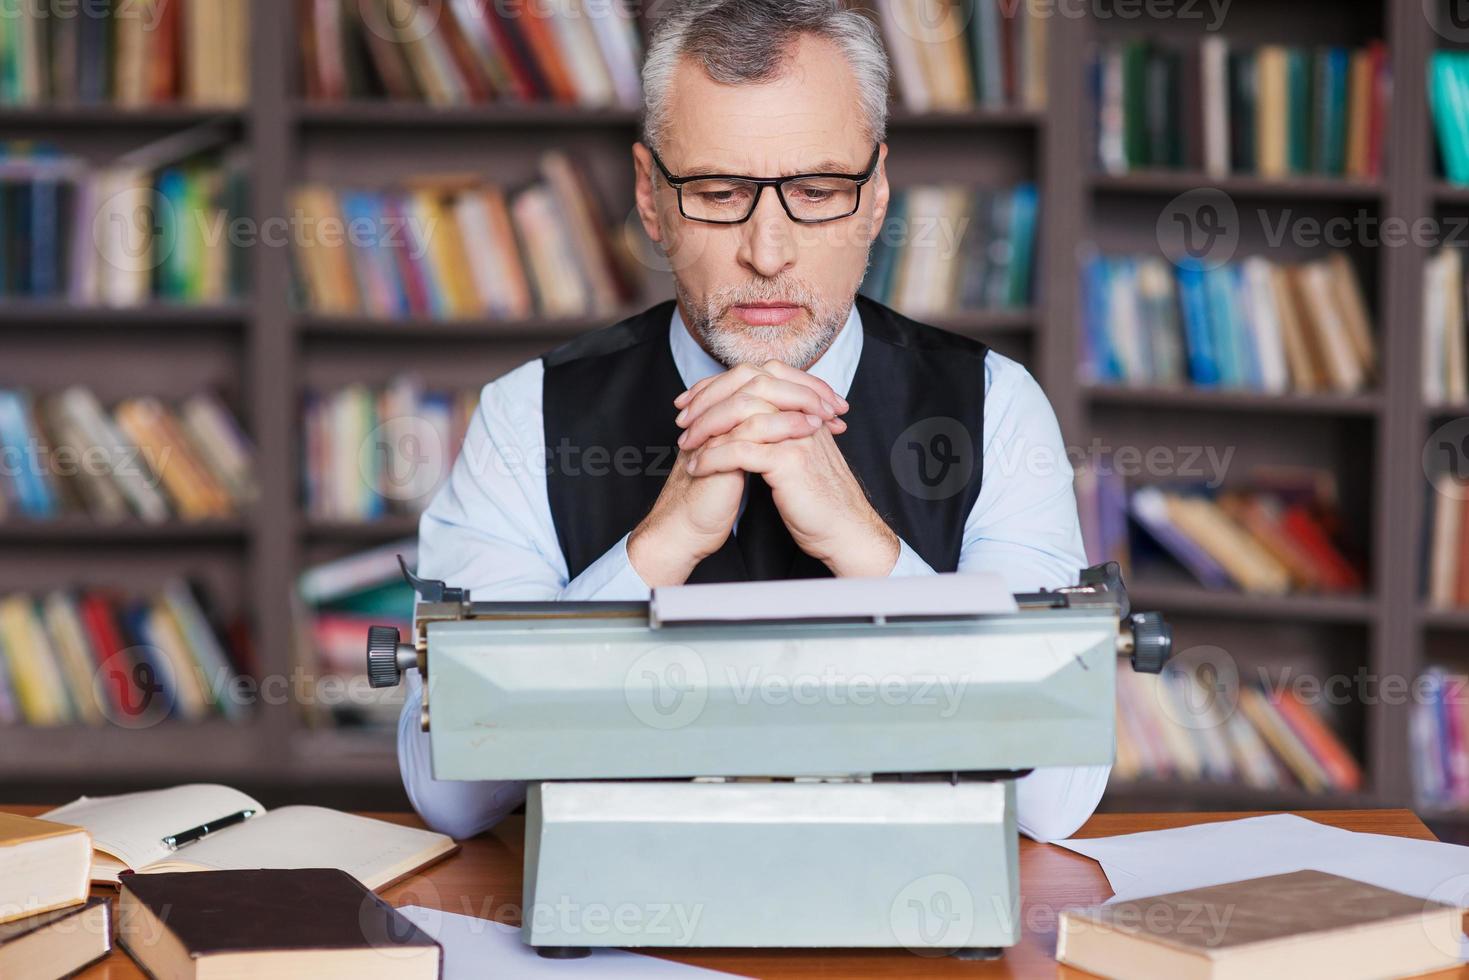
737,41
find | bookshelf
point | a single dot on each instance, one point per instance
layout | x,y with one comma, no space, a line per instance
266,352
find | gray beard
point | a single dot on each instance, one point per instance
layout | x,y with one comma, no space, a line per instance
743,343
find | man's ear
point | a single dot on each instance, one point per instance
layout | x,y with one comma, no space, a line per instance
881,192
645,171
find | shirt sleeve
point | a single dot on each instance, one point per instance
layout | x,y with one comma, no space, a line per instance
1024,526
489,529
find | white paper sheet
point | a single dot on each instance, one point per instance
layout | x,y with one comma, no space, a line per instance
478,948
948,594
1161,861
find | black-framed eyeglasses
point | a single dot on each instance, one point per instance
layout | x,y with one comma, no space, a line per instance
730,199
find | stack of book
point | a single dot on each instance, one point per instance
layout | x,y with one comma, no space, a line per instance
152,52
1279,534
455,247
579,52
1170,727
48,927
972,53
373,452
1274,111
144,459
1446,557
945,249
1448,100
338,601
1445,344
1440,734
92,657
1255,324
120,234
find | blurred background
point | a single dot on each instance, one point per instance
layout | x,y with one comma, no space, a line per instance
256,260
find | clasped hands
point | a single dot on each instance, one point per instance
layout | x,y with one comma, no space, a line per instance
778,422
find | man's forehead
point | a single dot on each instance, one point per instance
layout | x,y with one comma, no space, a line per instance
806,120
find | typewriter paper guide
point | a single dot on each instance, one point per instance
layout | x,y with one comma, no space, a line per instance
950,594
609,699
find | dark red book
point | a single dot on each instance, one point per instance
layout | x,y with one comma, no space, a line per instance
314,922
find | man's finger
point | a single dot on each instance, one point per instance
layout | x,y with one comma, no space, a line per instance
783,371
750,457
785,396
735,377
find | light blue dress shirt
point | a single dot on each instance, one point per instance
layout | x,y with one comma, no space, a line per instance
489,529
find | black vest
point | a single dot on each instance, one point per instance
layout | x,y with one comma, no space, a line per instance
914,435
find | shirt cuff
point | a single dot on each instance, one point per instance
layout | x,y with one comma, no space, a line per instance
909,563
610,578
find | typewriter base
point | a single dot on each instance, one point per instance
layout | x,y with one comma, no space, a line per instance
927,866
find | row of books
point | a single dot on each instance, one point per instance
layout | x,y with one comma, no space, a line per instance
1448,102
372,452
338,601
975,53
120,234
156,52
1256,324
1279,533
145,459
1271,110
1171,727
93,657
452,247
579,52
1440,738
1446,536
1445,344
948,248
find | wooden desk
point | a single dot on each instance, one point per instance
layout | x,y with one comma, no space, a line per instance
483,880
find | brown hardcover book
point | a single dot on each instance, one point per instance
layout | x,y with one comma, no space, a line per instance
307,924
43,866
56,944
1302,924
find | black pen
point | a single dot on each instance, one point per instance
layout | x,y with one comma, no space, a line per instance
174,841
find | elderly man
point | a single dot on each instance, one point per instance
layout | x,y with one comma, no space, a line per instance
783,427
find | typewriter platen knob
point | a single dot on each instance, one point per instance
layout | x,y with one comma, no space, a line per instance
387,658
1152,642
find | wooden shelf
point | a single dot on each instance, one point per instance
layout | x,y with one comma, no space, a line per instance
1196,600
345,754
29,313
113,117
78,529
367,532
1179,795
984,322
415,115
1179,181
418,328
1234,400
169,752
1447,193
1445,410
1444,619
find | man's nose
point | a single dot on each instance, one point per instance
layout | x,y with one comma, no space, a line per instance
769,246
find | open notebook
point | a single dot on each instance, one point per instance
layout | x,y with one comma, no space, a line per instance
129,831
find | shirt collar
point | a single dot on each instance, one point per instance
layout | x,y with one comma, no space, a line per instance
836,367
